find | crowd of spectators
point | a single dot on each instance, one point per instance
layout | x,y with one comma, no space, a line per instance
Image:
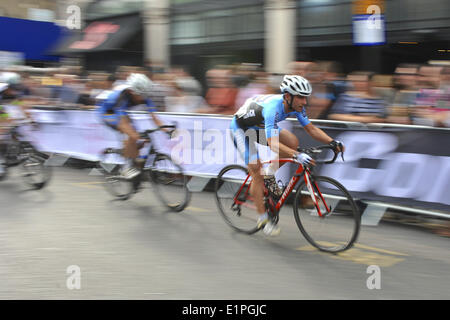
414,94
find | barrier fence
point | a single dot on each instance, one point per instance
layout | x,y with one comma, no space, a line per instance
386,165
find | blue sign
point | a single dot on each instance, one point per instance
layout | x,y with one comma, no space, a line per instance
32,38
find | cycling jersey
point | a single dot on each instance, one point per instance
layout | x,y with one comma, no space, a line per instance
116,105
265,111
260,111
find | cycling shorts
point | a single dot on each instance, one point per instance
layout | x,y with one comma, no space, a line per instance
245,140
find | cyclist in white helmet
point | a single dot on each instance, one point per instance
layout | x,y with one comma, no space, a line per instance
135,91
265,111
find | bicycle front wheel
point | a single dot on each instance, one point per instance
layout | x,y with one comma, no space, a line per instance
234,200
326,214
170,182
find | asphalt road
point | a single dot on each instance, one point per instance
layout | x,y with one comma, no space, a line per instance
137,250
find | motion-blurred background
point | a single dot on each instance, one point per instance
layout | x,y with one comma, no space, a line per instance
208,56
380,72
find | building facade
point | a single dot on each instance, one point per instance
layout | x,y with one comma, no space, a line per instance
200,34
275,32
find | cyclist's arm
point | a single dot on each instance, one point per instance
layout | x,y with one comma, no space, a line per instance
151,108
277,147
273,133
317,133
156,119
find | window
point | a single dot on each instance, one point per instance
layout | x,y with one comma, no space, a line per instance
106,8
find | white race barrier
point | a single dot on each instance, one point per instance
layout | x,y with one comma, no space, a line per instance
203,145
404,165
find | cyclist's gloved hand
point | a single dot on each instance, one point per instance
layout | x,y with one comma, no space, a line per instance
304,159
338,146
173,134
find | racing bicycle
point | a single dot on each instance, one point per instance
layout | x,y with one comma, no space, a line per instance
166,175
21,153
325,212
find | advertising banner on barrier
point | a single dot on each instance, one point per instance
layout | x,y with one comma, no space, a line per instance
399,164
395,165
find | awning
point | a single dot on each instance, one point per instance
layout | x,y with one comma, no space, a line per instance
101,35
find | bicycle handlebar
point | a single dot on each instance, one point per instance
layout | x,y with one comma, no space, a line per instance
145,133
315,151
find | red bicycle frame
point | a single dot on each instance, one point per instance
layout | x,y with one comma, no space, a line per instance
292,183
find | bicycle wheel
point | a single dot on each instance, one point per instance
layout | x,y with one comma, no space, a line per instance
34,171
110,165
170,183
333,224
234,200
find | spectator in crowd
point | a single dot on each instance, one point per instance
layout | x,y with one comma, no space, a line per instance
189,83
383,87
255,83
334,79
426,111
359,104
185,98
96,84
70,90
300,68
442,114
327,87
162,88
156,67
85,99
273,83
122,74
405,94
221,95
322,97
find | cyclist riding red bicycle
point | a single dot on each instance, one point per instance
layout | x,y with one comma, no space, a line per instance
264,112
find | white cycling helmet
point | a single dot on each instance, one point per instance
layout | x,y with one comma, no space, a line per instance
3,86
296,85
11,78
140,84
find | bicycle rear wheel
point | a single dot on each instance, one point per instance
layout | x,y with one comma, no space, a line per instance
234,201
110,165
333,224
170,183
34,171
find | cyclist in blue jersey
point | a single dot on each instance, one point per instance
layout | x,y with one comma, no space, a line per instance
135,91
264,112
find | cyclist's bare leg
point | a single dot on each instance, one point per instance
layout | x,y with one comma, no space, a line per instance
130,149
256,189
288,139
